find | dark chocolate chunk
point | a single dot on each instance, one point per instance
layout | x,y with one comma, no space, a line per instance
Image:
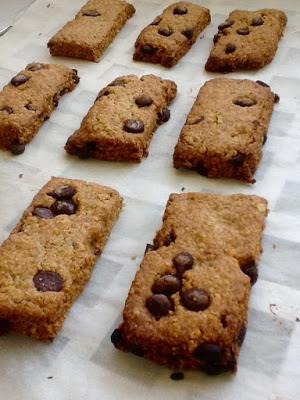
91,13
276,98
147,49
250,269
34,66
165,31
48,281
167,284
8,110
241,335
245,102
143,100
180,10
64,192
19,80
133,126
156,21
201,169
183,261
209,352
261,83
188,33
116,337
43,212
149,247
63,207
237,160
225,25
17,148
177,376
159,305
195,299
243,31
257,21
230,48
163,115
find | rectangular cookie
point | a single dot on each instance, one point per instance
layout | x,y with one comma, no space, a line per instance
29,99
246,40
226,128
121,123
92,30
187,306
170,36
49,256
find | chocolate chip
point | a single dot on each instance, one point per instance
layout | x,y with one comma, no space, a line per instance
43,212
265,139
188,33
230,48
116,337
195,299
201,169
156,21
209,352
149,247
34,66
250,269
29,107
163,115
180,10
170,238
276,98
167,284
63,207
165,31
216,37
4,326
64,192
183,261
103,92
225,25
241,335
133,126
177,376
243,31
256,21
8,110
91,13
196,121
143,100
244,102
48,281
149,50
158,305
237,160
17,148
19,80
261,83
87,150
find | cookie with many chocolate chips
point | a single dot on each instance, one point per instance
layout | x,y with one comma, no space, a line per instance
123,119
49,256
187,306
171,35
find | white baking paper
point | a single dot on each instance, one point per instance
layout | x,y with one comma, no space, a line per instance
81,364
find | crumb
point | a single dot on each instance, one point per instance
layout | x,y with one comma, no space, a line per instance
177,376
182,189
274,246
49,377
271,308
297,319
133,257
48,5
20,176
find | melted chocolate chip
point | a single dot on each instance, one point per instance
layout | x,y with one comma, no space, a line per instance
167,284
159,305
250,269
116,337
63,207
180,10
43,212
244,102
133,126
156,21
91,13
241,335
34,67
163,115
225,25
257,21
195,299
17,148
143,100
261,83
188,33
165,31
183,261
201,169
64,192
48,281
237,160
243,31
8,110
230,48
19,80
149,50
